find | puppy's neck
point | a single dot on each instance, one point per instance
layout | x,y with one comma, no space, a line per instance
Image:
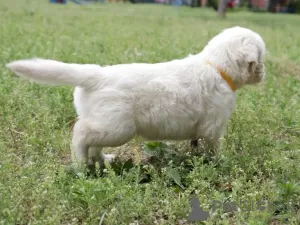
228,63
225,75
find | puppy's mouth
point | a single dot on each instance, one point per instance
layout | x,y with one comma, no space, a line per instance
260,71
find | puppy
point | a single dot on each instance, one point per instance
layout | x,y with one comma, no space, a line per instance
187,99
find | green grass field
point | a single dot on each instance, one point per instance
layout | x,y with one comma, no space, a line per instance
260,155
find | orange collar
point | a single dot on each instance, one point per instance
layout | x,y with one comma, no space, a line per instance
225,76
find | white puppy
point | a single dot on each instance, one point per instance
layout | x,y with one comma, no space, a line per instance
190,98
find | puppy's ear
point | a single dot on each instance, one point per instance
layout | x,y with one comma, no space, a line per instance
248,55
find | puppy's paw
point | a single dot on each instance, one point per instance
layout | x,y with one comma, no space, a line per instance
76,170
109,157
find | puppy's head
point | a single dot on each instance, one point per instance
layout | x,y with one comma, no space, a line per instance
241,51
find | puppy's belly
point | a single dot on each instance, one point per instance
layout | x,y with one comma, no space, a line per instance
164,136
168,131
168,122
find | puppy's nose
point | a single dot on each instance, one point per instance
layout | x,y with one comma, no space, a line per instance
260,69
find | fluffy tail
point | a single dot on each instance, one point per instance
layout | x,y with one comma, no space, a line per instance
54,72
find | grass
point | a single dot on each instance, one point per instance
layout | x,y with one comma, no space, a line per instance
260,154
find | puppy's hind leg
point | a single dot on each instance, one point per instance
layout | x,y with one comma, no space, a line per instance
113,132
109,157
96,155
80,147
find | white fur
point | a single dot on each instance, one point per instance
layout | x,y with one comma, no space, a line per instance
177,100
